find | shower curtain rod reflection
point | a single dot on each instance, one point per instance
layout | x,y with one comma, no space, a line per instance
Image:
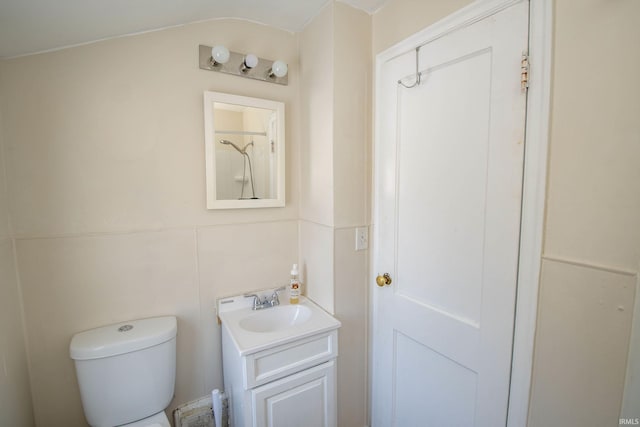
241,132
245,159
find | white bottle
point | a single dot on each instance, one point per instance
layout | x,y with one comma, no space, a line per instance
294,286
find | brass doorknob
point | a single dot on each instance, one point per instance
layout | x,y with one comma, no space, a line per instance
383,280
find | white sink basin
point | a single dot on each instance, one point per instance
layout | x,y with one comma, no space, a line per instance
276,318
255,330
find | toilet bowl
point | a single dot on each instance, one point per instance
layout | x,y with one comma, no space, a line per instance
126,372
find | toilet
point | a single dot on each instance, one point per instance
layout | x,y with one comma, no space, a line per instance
126,372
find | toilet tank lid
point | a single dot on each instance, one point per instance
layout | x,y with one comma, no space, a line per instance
121,338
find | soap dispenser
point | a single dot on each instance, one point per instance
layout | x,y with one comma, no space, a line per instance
294,286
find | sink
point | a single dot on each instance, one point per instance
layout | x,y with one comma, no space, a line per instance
255,330
276,318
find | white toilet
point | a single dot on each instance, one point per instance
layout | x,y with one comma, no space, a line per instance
127,372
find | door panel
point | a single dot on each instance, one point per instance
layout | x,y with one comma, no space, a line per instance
443,186
448,172
447,381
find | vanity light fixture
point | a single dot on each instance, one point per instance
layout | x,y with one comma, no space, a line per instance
220,59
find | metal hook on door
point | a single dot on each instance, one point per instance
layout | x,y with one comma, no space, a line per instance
418,73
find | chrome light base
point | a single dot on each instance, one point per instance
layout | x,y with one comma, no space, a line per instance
235,66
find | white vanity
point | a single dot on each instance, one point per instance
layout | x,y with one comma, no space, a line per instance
279,364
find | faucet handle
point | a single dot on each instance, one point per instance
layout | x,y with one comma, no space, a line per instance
256,300
274,297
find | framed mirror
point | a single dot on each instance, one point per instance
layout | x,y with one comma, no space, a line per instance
244,149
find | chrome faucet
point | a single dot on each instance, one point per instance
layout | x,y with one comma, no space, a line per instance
259,304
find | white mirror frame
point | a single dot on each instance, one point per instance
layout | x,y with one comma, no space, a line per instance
210,156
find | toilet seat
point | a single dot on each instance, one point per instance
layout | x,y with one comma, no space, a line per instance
156,420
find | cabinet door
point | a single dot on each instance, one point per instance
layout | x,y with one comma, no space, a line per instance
307,398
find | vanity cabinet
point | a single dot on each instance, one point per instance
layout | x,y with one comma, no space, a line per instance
287,385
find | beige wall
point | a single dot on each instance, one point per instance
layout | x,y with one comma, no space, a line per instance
593,197
335,63
15,395
109,138
592,238
592,243
105,171
316,158
316,102
584,322
104,145
352,110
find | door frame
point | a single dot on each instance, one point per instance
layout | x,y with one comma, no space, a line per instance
534,178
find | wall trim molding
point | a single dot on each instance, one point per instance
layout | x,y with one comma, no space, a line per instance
533,208
534,179
585,264
631,393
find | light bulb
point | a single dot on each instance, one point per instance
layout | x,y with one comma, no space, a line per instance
220,54
279,69
250,60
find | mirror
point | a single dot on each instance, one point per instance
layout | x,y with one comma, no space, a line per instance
244,149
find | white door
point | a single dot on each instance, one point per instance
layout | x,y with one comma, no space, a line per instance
448,167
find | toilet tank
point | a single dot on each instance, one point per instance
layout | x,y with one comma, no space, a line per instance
126,372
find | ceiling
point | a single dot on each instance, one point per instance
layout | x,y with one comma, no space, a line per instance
30,26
